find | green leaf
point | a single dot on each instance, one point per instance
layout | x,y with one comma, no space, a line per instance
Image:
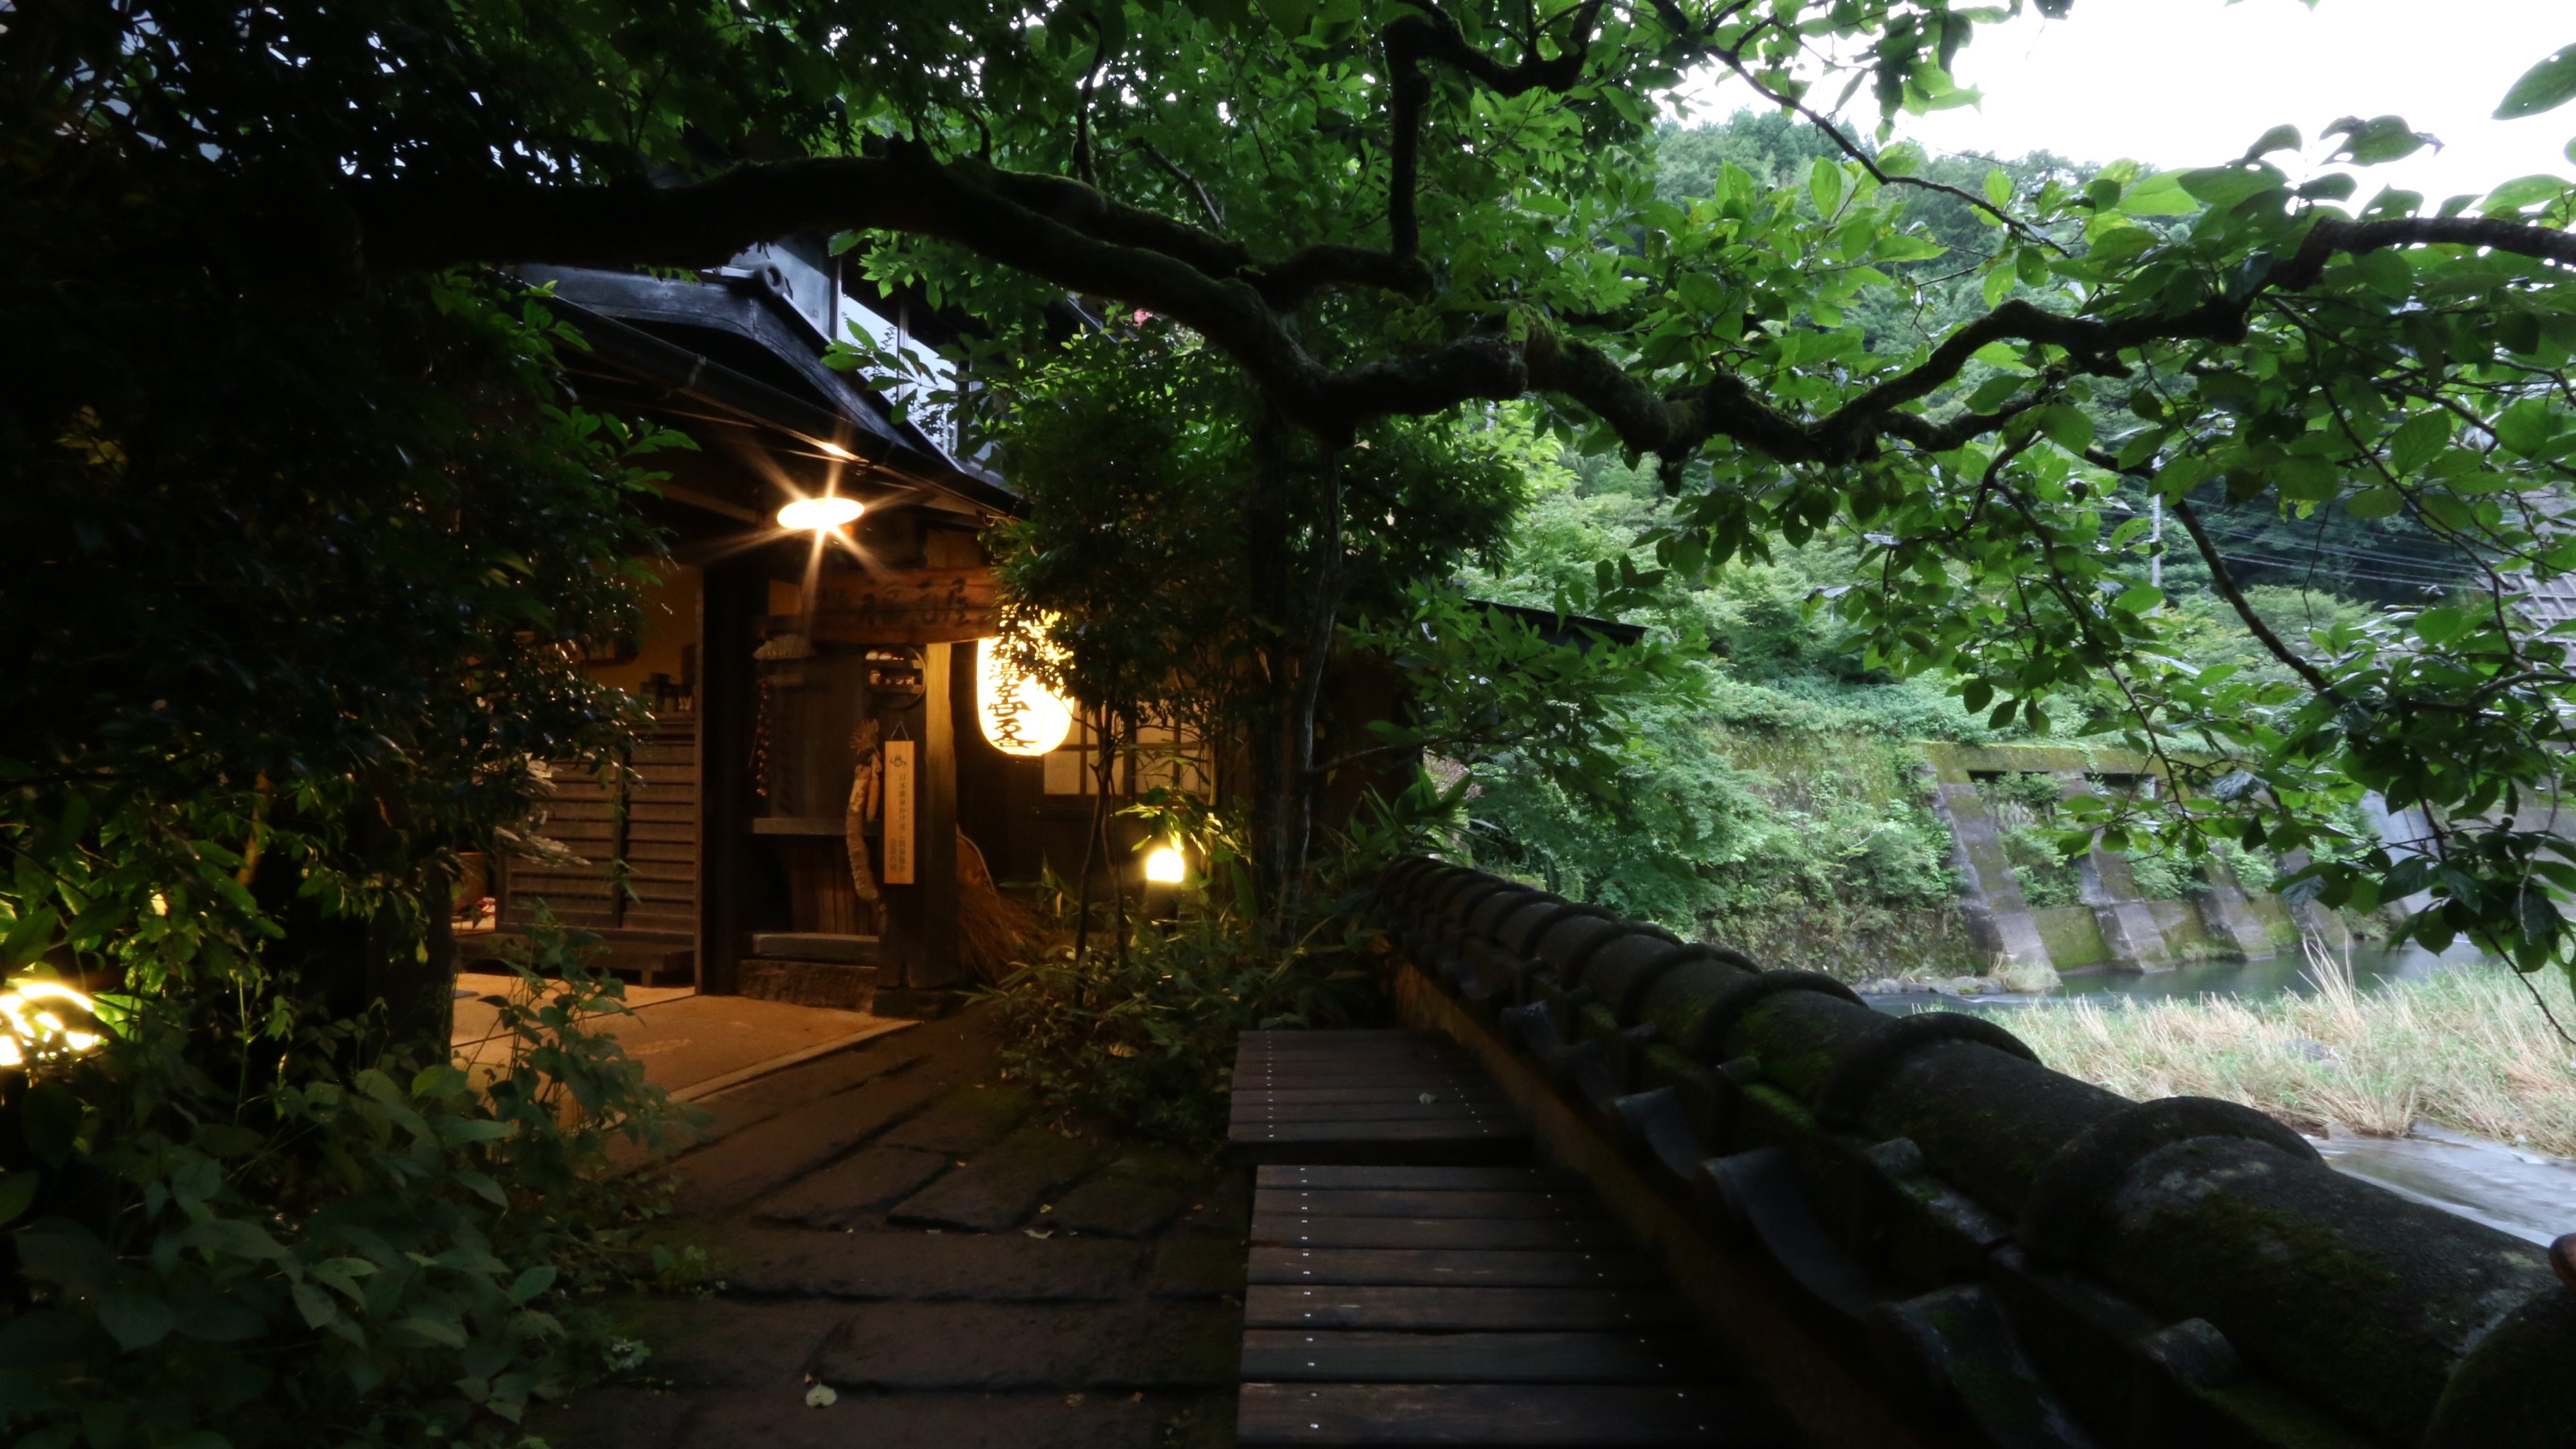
2544,87
2159,195
1291,16
136,1320
2441,626
1825,185
2279,138
483,1187
2525,191
2305,480
2379,140
2374,503
2224,186
49,1120
2419,441
18,1193
434,1330
1994,392
531,1283
236,1236
2139,599
211,1316
1999,188
315,1305
2527,426
2067,426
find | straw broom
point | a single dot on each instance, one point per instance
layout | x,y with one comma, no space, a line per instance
993,930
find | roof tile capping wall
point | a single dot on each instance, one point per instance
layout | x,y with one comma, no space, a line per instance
2027,1258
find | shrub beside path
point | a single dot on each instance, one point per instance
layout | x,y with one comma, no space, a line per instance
908,1251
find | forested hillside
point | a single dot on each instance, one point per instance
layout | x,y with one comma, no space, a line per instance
1781,808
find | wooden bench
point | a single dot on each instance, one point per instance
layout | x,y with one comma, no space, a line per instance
1414,1280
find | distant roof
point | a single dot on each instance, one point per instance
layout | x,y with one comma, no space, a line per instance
2545,604
1558,628
734,344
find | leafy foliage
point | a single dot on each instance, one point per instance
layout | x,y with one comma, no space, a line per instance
1145,1035
1375,210
320,1240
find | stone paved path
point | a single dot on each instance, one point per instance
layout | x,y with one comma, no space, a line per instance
965,1273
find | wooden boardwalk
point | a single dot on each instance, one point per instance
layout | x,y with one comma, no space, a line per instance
1414,1281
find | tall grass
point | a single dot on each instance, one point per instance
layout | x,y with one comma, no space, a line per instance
2467,1050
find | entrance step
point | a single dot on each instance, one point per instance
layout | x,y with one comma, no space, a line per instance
835,984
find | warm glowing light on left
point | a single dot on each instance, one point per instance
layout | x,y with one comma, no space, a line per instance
32,1022
820,513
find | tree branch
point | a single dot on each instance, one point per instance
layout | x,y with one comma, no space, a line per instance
1207,205
1734,60
1432,36
2225,583
1071,235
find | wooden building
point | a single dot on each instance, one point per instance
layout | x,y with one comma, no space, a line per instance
777,662
784,669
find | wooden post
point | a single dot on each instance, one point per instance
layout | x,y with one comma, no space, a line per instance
731,603
937,963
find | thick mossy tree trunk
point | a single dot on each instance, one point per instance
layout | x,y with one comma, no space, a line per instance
1296,631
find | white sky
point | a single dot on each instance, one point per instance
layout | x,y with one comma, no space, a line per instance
2180,83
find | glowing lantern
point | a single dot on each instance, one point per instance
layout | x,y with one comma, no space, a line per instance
820,514
1020,715
32,1024
1165,866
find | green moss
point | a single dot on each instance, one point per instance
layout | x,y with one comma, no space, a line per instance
2072,935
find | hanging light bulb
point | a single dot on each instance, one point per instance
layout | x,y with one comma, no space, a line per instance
820,514
1020,715
1165,865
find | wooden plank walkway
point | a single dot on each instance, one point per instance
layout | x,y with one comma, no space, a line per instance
1414,1281
1368,1096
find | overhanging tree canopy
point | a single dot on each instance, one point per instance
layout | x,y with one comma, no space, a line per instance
1393,207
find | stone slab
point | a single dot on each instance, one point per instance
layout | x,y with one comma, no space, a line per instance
1118,1207
968,1122
725,1343
1041,1420
761,1159
1167,1165
1198,1267
1224,1210
756,1102
930,1346
792,1262
615,1416
834,984
856,1191
996,1190
816,946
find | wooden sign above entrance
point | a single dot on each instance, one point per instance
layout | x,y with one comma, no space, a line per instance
907,606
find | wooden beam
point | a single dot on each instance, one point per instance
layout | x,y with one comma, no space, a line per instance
937,962
732,600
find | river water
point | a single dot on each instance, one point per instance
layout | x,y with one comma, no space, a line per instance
2531,1197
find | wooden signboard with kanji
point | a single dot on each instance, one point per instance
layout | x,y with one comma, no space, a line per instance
906,606
900,796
